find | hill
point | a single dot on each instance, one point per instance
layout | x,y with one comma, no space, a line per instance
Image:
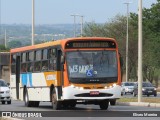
22,32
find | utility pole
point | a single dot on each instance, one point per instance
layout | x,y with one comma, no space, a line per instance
5,35
127,3
74,24
32,22
81,25
140,51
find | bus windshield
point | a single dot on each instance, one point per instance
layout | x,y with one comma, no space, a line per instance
92,64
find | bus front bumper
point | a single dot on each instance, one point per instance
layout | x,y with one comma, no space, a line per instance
76,93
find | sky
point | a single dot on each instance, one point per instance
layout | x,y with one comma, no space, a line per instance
60,11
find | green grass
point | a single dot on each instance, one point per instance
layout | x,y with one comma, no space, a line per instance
146,99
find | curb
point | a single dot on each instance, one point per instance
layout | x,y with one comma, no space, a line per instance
145,104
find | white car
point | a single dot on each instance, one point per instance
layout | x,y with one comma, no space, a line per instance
127,87
4,92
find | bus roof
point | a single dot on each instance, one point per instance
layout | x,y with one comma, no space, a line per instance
57,42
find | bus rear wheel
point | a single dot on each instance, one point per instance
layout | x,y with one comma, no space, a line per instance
55,103
104,104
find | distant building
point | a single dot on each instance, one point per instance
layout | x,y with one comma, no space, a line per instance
4,66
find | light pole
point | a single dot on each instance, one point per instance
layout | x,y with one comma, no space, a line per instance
127,3
81,25
140,51
74,24
5,38
32,22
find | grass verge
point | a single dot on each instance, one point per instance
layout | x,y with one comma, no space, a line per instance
150,100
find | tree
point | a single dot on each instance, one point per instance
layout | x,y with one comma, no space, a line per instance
151,41
116,28
14,44
3,48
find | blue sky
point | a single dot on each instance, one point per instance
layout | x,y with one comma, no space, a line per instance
59,11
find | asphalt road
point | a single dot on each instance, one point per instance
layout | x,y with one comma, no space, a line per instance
91,112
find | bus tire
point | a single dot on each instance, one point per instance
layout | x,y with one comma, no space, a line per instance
73,104
104,104
55,103
35,103
26,99
113,102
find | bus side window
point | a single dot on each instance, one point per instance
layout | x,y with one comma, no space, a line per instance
52,53
44,60
30,65
23,67
23,62
52,59
13,59
13,65
37,65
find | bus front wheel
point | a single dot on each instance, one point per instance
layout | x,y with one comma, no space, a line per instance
112,102
55,103
104,104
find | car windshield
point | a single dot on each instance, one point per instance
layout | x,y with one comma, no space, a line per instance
129,84
3,84
92,64
147,85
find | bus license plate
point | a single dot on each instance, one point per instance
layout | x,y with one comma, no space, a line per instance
94,92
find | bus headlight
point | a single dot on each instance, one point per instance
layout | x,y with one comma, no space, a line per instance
81,88
114,85
72,85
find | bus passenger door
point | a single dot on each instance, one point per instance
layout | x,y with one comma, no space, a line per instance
17,75
60,69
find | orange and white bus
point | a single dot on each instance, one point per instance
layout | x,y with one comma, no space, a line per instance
84,70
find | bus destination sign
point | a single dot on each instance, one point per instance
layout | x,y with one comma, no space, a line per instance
90,44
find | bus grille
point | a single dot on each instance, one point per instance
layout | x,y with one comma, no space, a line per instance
99,95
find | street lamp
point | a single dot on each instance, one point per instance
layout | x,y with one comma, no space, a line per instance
127,3
32,22
140,51
75,24
5,38
81,25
